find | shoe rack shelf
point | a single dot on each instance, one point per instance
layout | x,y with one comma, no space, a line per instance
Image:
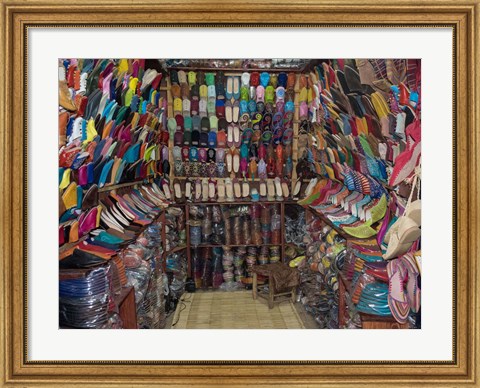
237,72
282,244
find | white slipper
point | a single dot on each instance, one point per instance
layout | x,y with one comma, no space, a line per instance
278,189
263,190
237,189
270,190
211,191
204,190
178,190
166,189
296,189
188,190
229,189
229,161
285,190
245,189
236,162
221,190
310,187
198,190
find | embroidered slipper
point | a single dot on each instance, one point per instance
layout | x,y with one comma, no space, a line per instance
287,136
256,121
247,135
266,137
256,136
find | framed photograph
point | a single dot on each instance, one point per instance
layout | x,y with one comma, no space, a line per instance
239,173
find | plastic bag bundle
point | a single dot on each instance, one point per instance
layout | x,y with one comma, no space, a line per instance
207,269
247,236
84,300
217,267
264,255
238,262
195,232
251,260
197,265
274,254
256,234
227,262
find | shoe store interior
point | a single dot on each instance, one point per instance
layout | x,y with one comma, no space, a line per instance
239,193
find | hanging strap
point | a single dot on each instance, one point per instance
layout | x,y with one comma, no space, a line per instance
415,181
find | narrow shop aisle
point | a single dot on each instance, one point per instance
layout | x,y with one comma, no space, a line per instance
233,310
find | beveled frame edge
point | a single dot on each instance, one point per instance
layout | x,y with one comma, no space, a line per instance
17,15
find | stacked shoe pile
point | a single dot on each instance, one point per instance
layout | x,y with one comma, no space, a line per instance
325,253
110,122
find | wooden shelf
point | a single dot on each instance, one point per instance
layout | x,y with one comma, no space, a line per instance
236,203
176,249
233,70
234,245
120,185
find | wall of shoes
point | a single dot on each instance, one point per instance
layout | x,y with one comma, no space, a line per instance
366,151
113,155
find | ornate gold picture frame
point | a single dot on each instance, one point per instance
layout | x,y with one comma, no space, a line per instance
19,16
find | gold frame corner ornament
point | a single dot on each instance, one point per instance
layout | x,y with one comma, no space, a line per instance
20,15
